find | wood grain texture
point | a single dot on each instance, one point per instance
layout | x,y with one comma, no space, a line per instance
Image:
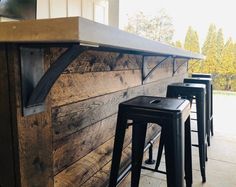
100,179
34,135
97,61
71,88
53,30
72,148
165,69
181,66
71,118
7,150
85,168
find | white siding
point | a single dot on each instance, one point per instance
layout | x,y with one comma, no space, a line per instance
74,8
58,8
43,9
87,9
96,10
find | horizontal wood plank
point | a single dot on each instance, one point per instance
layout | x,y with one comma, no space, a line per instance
71,88
82,170
164,69
71,118
101,178
74,147
97,61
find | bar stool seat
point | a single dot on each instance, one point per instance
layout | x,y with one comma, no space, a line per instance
173,115
208,83
205,75
202,75
190,91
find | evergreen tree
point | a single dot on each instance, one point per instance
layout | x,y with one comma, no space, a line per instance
219,48
188,39
210,51
192,44
219,44
191,41
228,66
196,42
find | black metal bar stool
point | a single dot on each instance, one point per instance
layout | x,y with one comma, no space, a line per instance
208,83
173,115
198,92
204,75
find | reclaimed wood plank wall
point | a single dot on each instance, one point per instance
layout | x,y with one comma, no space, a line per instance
30,140
71,143
84,105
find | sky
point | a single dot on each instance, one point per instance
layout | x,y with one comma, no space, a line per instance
196,13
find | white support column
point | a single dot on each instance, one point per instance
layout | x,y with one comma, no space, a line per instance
114,13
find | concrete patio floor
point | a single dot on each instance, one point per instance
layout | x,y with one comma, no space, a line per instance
221,164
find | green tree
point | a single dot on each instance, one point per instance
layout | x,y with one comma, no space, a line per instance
191,41
219,44
192,44
228,65
159,28
178,44
209,49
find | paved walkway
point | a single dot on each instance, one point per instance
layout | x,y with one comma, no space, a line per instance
221,165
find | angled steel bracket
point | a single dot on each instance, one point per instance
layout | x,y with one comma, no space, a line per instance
175,69
144,77
35,83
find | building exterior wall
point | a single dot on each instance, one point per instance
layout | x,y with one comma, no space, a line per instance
96,10
102,11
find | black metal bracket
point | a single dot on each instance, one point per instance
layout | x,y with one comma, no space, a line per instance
35,83
197,61
144,77
176,69
32,69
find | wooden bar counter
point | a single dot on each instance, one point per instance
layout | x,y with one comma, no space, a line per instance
61,81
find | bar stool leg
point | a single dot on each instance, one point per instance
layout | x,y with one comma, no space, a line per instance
208,116
138,142
174,153
188,154
160,148
117,151
201,137
212,132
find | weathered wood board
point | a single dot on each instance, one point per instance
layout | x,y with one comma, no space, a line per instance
34,133
71,142
79,172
